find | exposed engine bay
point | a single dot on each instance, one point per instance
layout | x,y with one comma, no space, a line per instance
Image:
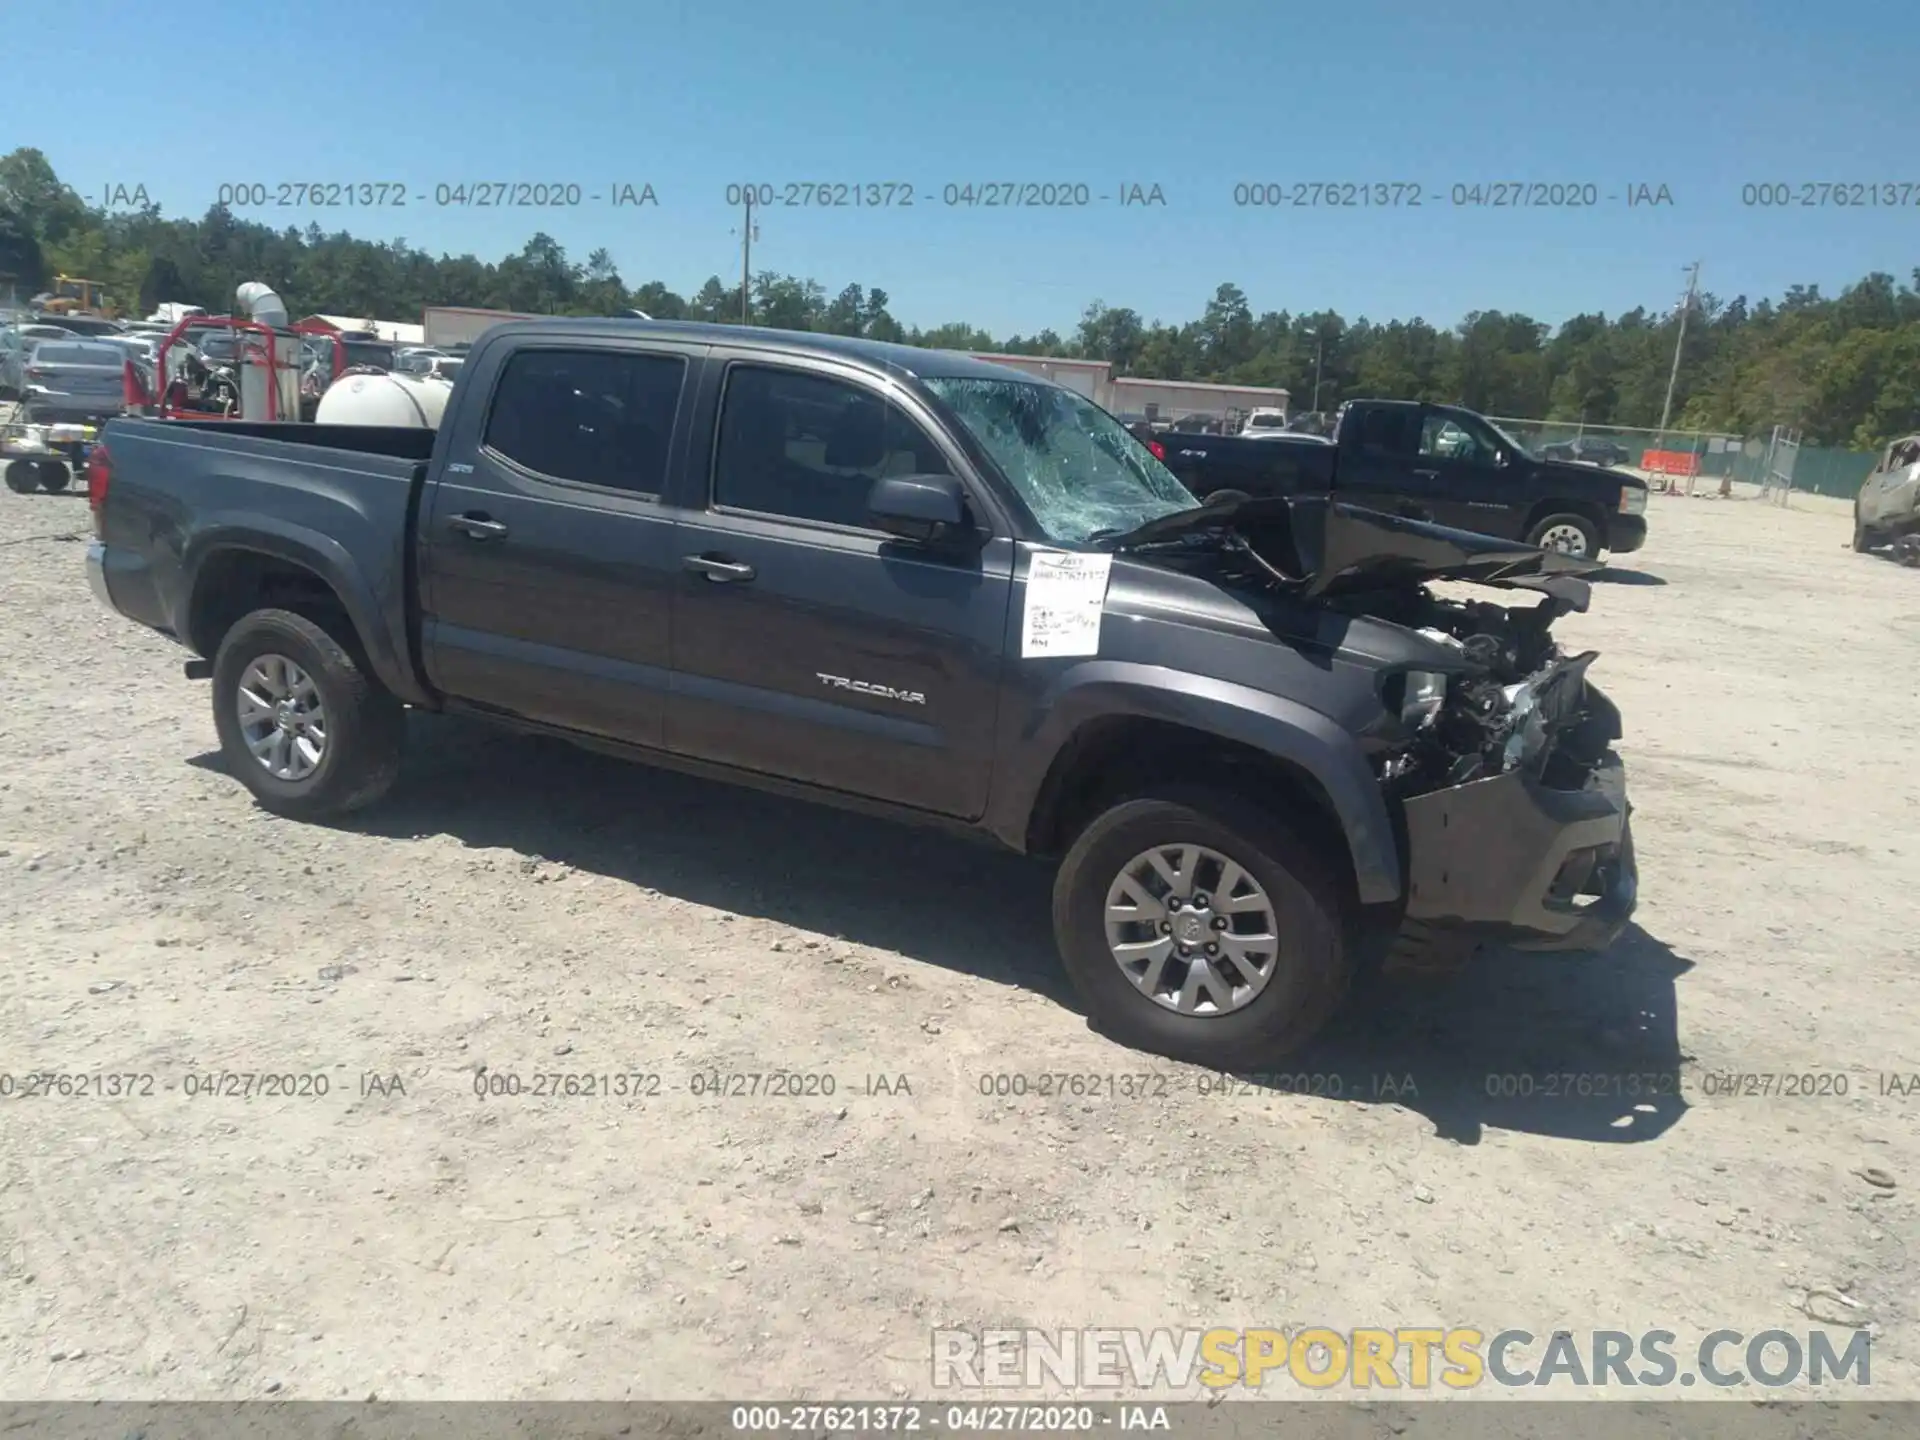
1487,738
1515,701
1504,698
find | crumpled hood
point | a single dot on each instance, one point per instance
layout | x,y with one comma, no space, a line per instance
1332,547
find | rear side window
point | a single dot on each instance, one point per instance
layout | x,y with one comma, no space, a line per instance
1388,430
598,417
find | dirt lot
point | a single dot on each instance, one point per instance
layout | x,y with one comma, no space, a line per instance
518,907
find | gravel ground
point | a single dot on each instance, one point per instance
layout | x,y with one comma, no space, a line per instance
519,907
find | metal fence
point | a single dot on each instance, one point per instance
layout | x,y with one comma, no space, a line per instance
1821,471
1774,466
1776,472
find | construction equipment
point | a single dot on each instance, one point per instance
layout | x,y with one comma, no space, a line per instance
43,457
71,296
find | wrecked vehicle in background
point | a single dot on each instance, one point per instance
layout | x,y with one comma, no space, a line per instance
924,586
1887,509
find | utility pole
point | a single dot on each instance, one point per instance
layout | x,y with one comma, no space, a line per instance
1319,351
1673,376
747,235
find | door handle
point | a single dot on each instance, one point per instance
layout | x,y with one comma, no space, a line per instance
477,527
1428,474
716,569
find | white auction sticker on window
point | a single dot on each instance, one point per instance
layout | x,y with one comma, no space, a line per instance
1066,594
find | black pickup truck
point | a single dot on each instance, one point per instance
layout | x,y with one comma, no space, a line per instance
1432,462
917,584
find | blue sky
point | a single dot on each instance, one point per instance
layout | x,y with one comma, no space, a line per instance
691,95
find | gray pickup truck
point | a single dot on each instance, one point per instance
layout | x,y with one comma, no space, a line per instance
906,581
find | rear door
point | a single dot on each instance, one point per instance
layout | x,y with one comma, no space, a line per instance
1379,461
807,644
548,558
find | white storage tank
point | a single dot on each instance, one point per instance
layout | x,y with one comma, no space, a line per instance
403,400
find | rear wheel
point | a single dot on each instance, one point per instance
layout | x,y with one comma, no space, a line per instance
54,476
22,477
302,723
1198,926
1568,534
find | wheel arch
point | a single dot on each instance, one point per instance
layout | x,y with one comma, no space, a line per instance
235,569
1117,731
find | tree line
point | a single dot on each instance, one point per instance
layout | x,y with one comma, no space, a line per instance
1845,369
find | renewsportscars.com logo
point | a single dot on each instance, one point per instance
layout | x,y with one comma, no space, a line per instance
1319,1358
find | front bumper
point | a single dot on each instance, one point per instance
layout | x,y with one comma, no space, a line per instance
1509,859
1626,533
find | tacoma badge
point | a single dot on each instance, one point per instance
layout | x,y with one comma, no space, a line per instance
865,687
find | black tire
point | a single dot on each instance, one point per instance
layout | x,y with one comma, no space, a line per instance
365,723
54,476
23,477
1590,533
1315,928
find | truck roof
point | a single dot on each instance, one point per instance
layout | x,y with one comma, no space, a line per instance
903,360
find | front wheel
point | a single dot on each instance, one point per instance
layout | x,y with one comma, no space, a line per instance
1198,926
54,476
1567,534
301,722
23,478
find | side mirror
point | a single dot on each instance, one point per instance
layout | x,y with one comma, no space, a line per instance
922,509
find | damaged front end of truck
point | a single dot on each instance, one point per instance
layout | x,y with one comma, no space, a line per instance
1513,801
1492,747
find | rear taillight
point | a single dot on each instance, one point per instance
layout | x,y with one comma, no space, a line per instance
99,476
35,372
1157,450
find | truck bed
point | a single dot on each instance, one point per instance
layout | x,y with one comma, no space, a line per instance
1206,463
404,442
184,491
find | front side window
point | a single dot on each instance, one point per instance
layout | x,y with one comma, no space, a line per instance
598,417
810,447
1079,471
1453,437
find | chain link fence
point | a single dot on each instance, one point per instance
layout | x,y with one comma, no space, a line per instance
1772,467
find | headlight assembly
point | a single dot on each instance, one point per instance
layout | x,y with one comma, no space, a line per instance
1422,693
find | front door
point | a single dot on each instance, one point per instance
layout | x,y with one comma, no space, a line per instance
548,559
1467,480
809,645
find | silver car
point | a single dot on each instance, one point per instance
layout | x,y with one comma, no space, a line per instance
15,342
74,380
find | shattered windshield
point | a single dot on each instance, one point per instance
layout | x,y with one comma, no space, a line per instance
1078,468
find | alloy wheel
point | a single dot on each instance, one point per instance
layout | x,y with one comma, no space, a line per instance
282,718
1192,930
